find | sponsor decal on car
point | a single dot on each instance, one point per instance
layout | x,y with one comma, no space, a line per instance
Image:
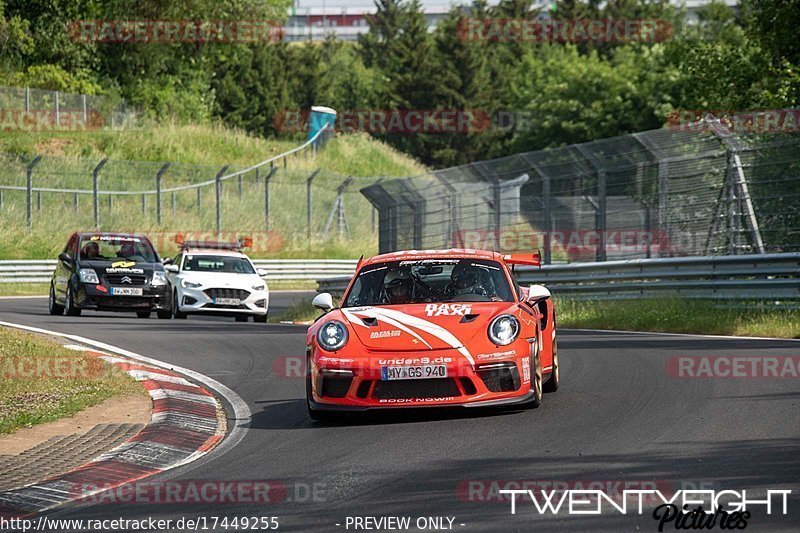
123,264
526,370
124,270
385,334
447,309
115,238
495,355
416,361
417,400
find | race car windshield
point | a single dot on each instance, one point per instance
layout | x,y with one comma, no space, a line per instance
430,281
112,248
217,263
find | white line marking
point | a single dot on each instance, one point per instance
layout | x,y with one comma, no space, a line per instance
718,337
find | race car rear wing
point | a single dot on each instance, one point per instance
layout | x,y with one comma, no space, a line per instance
523,259
237,246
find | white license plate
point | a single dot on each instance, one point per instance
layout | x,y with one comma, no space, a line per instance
389,373
227,301
126,291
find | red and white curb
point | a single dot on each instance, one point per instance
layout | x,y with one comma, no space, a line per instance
187,423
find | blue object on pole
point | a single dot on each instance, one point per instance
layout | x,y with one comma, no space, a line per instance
321,118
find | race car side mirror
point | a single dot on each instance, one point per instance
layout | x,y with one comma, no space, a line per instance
537,293
323,301
172,268
261,272
65,258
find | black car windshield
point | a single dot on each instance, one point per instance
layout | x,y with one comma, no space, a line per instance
218,263
116,248
430,281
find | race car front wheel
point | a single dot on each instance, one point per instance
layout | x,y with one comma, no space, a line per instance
552,384
69,303
315,414
536,381
55,308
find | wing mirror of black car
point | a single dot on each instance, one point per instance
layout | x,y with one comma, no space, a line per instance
65,258
167,261
538,293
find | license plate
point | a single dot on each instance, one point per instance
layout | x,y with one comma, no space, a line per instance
389,373
227,301
126,291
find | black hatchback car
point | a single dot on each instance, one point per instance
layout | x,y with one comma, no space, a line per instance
110,272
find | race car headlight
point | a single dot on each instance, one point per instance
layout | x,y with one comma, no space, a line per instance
88,275
332,335
259,287
159,279
504,330
186,284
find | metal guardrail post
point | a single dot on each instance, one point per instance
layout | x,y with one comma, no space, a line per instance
110,202
27,99
547,212
95,177
240,186
199,198
75,202
159,174
601,215
58,111
29,186
144,205
267,178
172,207
218,189
308,200
39,203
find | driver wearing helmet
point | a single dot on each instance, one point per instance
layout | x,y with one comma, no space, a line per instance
466,279
397,286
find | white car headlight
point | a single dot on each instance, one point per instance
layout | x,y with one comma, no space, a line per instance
503,330
186,284
332,335
88,275
159,278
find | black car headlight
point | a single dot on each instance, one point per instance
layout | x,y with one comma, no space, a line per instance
88,275
332,335
159,278
503,330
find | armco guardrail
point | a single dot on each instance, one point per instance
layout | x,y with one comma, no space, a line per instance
768,277
277,269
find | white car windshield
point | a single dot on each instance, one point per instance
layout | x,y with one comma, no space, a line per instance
217,263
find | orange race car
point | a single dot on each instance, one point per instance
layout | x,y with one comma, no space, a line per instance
433,328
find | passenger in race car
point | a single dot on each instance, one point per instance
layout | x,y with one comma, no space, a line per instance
90,251
469,279
397,286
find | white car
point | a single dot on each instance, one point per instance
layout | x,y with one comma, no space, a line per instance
217,280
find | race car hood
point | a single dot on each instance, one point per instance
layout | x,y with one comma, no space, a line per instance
120,267
223,280
420,327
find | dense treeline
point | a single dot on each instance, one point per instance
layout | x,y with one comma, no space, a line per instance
536,94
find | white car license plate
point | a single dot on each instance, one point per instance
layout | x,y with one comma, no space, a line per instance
126,291
227,301
389,373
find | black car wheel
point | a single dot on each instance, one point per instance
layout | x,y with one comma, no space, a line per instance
164,314
176,311
55,308
143,314
69,303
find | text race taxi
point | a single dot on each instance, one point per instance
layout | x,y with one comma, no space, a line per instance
433,329
109,272
217,278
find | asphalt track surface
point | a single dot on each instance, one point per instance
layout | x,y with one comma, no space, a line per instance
619,416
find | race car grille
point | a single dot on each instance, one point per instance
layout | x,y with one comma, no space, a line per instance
239,294
499,377
122,279
415,389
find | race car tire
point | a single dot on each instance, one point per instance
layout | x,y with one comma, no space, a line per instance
69,304
262,319
53,306
315,414
536,382
241,318
143,314
176,312
551,385
165,314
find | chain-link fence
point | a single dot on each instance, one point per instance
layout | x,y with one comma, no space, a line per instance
26,109
696,190
284,203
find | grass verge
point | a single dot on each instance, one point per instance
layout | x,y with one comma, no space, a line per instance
24,289
299,312
679,316
41,381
